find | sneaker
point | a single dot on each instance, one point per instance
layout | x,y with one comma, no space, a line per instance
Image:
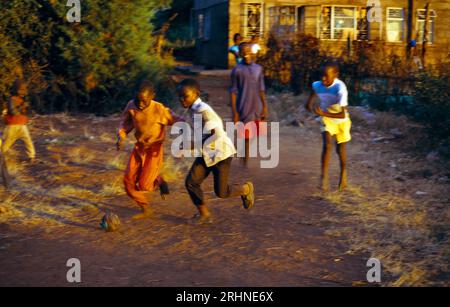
248,201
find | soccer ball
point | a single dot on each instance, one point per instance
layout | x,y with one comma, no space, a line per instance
110,222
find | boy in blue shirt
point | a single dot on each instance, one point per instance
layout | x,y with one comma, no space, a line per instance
333,110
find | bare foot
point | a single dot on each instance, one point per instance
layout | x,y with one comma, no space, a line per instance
199,219
202,217
145,214
324,184
343,183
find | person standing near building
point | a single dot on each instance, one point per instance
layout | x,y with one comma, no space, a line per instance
234,50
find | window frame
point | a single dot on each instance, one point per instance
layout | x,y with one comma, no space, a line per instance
332,22
295,15
433,16
403,20
244,18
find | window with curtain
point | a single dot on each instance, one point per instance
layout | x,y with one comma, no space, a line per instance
420,26
363,25
338,22
395,24
252,19
282,19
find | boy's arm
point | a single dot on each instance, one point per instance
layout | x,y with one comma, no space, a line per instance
172,118
310,102
233,96
11,105
234,52
340,115
265,112
343,102
234,108
262,94
125,127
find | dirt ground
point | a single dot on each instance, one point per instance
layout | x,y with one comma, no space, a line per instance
295,236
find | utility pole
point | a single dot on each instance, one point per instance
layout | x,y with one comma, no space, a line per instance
410,28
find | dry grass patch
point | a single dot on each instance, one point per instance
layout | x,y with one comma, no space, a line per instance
80,155
397,230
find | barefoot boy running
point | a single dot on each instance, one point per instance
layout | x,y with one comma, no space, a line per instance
148,118
333,109
217,153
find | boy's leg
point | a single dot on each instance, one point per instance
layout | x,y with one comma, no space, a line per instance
10,136
223,189
326,156
342,152
247,152
4,172
131,179
26,138
149,179
198,173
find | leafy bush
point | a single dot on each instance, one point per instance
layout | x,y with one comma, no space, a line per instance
89,66
374,76
432,105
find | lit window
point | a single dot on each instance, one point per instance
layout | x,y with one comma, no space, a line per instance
252,19
282,19
363,25
421,18
395,24
338,22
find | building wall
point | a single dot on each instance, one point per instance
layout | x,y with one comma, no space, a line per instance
436,52
212,52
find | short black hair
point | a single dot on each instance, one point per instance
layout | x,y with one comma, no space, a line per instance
333,65
189,83
242,45
235,37
146,85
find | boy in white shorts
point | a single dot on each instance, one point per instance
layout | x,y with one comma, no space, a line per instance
333,109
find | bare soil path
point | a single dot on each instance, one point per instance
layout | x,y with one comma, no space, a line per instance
287,240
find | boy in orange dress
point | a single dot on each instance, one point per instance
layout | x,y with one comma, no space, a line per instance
149,119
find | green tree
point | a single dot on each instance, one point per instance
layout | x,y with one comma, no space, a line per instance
88,66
